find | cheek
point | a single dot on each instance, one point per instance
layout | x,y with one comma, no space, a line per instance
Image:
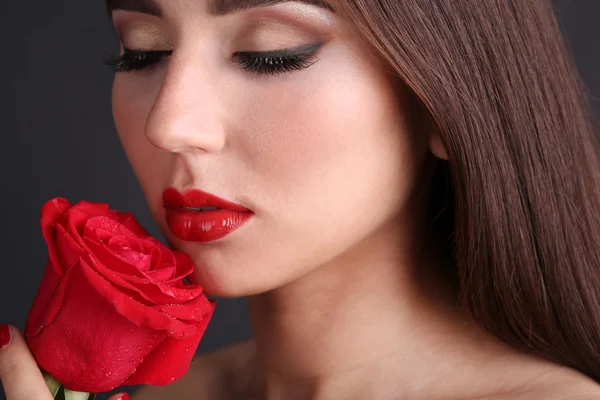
330,158
333,140
132,100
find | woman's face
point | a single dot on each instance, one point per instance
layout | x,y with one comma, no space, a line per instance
317,143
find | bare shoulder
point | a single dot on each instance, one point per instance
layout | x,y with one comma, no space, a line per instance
563,384
210,376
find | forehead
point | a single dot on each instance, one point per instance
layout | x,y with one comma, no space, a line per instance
216,7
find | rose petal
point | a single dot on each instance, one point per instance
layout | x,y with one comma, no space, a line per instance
125,219
136,312
47,301
94,209
160,275
156,294
73,221
151,290
184,266
50,213
68,251
106,226
165,294
118,281
148,247
195,310
113,260
165,256
128,220
94,285
128,273
128,249
119,242
52,210
170,360
89,346
145,291
143,261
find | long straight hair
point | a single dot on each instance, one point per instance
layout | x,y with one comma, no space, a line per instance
517,205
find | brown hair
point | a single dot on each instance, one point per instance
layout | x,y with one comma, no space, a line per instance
521,189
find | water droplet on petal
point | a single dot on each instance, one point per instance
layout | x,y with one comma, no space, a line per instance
139,348
187,349
132,359
108,374
172,379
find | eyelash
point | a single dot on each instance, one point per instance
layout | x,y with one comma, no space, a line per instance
261,63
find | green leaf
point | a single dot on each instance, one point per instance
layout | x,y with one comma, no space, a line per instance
59,392
72,395
52,383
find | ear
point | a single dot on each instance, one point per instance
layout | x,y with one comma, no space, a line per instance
436,146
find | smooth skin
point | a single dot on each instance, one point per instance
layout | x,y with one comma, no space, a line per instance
22,379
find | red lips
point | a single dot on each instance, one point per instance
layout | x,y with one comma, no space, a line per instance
202,226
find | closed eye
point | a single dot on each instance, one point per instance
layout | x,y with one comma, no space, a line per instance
135,60
261,63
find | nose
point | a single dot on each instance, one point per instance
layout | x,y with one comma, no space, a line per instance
187,113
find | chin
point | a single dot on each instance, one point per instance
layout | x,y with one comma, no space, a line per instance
221,279
212,287
224,286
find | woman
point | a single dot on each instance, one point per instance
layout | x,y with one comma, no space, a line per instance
407,191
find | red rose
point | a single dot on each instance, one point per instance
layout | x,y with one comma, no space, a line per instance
112,308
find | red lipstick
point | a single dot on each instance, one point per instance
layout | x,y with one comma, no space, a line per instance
197,216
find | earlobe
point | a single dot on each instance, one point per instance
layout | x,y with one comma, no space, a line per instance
437,147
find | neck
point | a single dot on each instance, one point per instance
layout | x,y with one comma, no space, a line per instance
376,310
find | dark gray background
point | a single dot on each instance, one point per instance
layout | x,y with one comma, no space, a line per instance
58,137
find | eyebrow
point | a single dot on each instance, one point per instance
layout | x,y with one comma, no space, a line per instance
215,7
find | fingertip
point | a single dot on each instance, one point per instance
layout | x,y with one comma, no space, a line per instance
19,372
6,334
16,337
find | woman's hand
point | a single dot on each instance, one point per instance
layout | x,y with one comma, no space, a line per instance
19,373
